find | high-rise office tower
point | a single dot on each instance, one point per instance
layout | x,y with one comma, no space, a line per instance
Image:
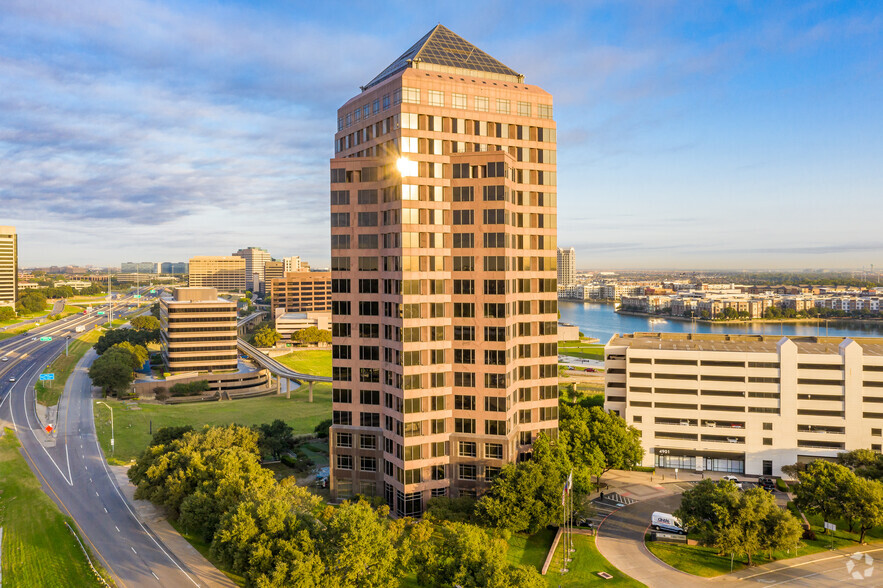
8,266
255,258
566,267
443,236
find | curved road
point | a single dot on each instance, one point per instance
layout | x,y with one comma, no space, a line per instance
73,471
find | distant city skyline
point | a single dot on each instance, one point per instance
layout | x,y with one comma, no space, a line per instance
690,135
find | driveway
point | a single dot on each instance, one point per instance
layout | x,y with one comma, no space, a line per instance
621,540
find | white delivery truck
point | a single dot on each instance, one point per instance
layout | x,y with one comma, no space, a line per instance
80,328
662,521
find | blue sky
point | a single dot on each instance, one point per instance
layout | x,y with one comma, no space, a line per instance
691,134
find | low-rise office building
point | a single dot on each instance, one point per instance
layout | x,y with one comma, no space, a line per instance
224,272
301,292
198,331
288,323
746,403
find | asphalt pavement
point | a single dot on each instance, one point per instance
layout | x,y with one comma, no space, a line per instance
72,469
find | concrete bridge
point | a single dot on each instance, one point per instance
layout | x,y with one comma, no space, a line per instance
281,371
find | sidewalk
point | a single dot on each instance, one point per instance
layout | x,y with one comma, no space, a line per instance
154,518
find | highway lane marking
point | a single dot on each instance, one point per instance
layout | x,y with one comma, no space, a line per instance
64,506
159,546
133,550
154,575
28,418
96,494
117,528
797,565
105,510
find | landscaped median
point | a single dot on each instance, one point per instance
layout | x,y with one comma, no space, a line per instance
585,565
48,393
38,548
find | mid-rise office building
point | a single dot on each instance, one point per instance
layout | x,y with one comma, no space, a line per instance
223,272
301,292
255,258
139,267
293,264
746,403
8,266
566,267
173,267
443,232
198,330
273,270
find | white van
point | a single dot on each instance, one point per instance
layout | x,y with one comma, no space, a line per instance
662,521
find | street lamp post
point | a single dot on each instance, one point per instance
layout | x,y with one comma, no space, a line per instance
110,408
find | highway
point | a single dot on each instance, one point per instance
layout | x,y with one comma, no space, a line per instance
71,466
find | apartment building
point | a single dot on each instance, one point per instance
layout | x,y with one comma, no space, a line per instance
443,232
225,273
745,403
255,259
8,266
198,330
301,292
566,267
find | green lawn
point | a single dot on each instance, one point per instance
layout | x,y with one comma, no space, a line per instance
49,393
132,427
530,550
583,350
587,562
24,316
704,561
316,362
38,549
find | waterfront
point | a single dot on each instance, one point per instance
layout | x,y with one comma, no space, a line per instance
601,321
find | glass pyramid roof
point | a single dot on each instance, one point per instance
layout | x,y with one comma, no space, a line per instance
441,46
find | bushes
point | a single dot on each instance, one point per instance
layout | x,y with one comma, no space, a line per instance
781,486
189,388
321,429
300,462
644,469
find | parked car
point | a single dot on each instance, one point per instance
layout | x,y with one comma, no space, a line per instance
322,476
734,480
767,484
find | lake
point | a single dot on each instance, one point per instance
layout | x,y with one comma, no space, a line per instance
600,320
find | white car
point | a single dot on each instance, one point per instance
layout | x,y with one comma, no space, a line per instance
11,379
734,480
4,358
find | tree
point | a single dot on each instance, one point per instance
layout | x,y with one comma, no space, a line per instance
312,335
112,372
111,338
154,310
322,429
442,508
864,462
737,522
31,301
468,556
276,439
137,353
266,336
7,313
359,546
166,435
584,452
863,504
821,488
619,443
145,323
525,497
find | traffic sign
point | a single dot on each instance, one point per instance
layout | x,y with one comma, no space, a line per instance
47,376
153,291
45,338
137,295
48,428
100,312
830,526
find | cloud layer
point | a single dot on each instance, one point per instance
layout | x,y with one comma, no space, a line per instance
713,137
